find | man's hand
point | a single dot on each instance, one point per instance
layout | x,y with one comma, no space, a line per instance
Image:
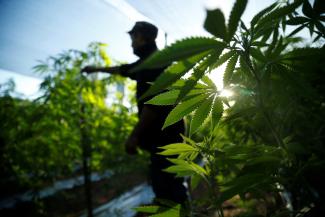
147,117
131,144
89,69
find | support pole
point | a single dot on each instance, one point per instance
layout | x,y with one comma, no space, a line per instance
86,157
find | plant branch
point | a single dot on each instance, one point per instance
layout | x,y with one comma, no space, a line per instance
261,102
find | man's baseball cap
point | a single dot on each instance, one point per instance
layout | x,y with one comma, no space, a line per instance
147,29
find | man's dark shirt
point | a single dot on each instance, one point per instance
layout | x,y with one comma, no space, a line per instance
154,136
142,77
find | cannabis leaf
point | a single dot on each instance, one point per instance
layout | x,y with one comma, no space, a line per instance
183,109
199,71
173,73
180,50
222,59
215,23
201,114
262,13
217,111
278,13
230,69
166,98
235,15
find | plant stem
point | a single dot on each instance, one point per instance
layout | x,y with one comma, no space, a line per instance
261,102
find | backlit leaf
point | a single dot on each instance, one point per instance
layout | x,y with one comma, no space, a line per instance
182,109
147,209
206,80
222,59
235,15
230,69
279,13
198,73
257,54
217,111
177,148
262,13
185,168
170,212
201,114
173,73
297,20
215,23
180,50
166,98
307,9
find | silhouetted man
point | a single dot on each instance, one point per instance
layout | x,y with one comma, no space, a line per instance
147,134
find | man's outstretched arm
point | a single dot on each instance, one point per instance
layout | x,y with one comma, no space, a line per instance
110,70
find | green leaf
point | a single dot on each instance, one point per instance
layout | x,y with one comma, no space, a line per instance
215,23
240,185
188,140
304,54
264,159
244,66
170,97
180,50
257,54
180,170
161,211
185,168
222,59
321,18
283,24
166,98
297,21
296,148
177,148
230,69
183,109
147,209
173,73
317,38
307,9
198,74
320,27
190,83
263,12
297,30
311,28
182,146
260,44
170,212
279,13
247,112
206,80
265,31
235,15
217,111
200,115
41,68
280,47
243,26
319,7
181,82
195,181
274,41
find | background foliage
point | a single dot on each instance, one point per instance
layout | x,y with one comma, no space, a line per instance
40,139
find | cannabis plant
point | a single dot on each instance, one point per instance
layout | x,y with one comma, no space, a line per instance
267,140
